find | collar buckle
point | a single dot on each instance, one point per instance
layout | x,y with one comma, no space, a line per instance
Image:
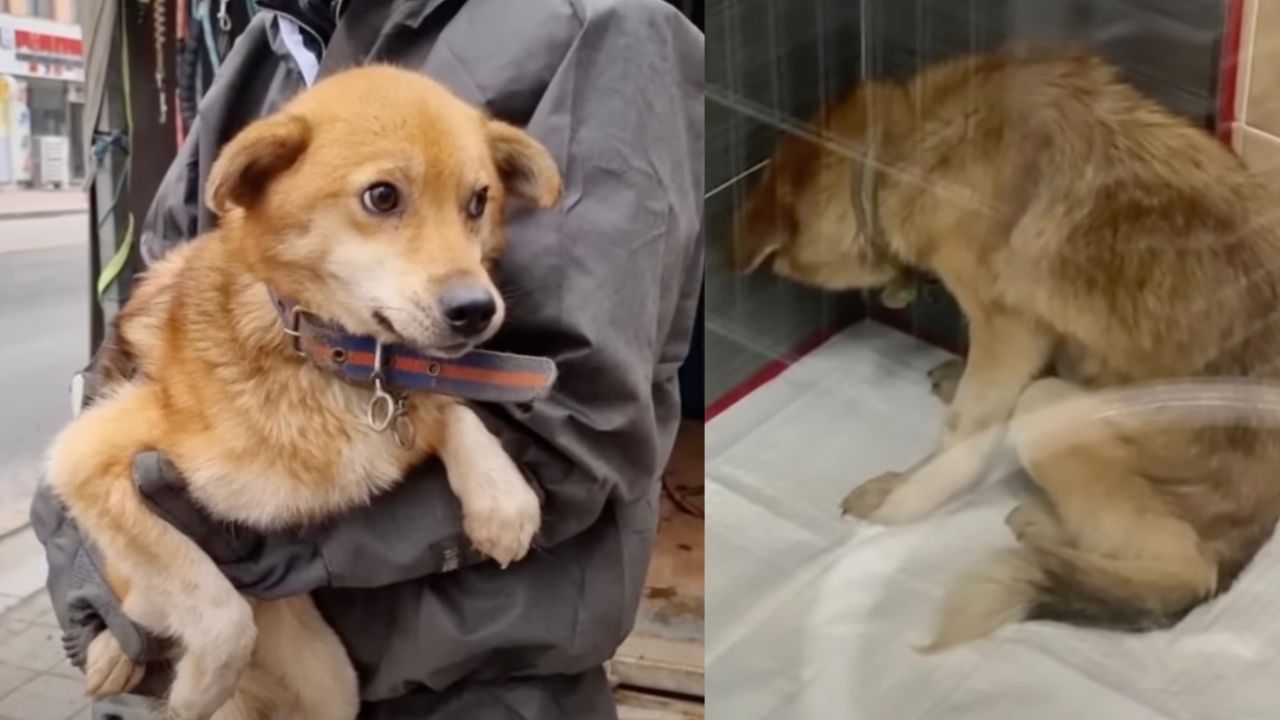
382,406
386,410
292,327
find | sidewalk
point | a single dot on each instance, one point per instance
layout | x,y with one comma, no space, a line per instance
36,681
18,204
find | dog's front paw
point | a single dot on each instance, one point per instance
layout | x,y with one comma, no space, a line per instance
108,669
866,499
502,524
892,499
945,378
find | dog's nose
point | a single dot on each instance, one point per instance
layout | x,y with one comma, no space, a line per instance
468,308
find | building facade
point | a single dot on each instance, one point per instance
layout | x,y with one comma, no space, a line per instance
41,93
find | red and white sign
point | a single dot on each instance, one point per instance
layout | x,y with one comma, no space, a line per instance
32,47
36,43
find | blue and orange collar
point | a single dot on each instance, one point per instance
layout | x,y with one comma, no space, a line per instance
480,375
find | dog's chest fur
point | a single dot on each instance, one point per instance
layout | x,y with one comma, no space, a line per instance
302,459
261,436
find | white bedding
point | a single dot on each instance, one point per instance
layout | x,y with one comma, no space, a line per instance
813,617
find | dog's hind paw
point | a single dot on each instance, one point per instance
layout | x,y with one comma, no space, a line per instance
108,669
1034,523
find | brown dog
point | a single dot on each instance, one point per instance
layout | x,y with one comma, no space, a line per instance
1085,231
375,201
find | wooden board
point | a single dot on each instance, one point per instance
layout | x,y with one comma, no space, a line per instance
665,650
642,706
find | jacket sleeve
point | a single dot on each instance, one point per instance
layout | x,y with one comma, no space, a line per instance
606,285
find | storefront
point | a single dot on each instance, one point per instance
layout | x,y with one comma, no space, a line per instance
41,98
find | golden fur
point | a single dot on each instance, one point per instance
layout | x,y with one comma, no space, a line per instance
1085,232
262,436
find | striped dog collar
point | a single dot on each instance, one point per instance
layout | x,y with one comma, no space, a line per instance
480,375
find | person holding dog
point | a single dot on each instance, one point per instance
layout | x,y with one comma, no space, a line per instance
606,285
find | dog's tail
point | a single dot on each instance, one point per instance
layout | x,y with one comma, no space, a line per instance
1065,585
999,591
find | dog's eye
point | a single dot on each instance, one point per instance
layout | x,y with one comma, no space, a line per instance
478,201
381,198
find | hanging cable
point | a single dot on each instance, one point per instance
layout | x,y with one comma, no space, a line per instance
224,28
101,145
158,30
180,43
198,38
209,38
188,64
113,268
188,86
116,195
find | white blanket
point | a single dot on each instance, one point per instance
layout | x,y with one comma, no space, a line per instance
814,617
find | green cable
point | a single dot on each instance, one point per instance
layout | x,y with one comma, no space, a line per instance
112,271
113,268
115,200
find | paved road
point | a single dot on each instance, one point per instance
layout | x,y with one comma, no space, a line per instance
44,338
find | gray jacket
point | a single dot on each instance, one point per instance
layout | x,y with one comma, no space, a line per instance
606,285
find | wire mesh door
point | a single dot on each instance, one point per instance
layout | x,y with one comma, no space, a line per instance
775,66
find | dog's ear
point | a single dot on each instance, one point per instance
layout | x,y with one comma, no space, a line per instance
253,158
765,225
526,168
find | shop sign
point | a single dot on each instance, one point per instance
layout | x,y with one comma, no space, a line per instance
38,48
26,42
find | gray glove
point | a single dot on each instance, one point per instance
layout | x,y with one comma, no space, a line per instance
412,531
82,601
266,566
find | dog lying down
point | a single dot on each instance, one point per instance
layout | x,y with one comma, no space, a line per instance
270,361
1086,233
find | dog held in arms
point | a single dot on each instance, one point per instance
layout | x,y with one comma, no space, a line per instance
1096,244
375,201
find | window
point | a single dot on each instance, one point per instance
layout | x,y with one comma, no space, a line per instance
774,65
41,8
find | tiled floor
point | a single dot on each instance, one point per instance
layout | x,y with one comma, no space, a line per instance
36,681
22,567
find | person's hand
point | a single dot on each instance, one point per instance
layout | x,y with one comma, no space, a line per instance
263,565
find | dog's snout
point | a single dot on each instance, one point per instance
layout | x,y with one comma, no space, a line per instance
468,308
